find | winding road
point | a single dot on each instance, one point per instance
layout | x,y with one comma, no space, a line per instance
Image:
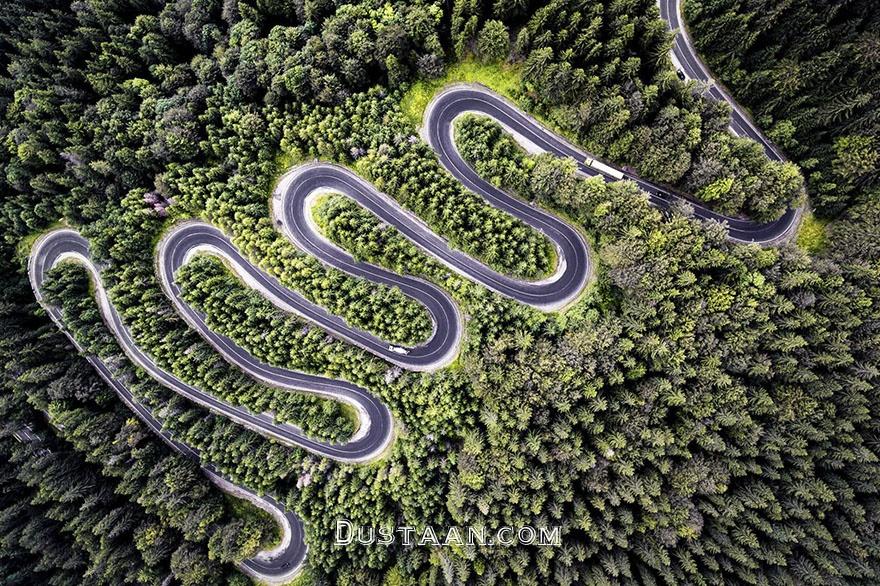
686,58
278,565
458,100
291,206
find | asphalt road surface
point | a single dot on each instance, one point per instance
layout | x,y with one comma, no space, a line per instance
291,209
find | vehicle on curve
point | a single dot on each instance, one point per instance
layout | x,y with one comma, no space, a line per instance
603,168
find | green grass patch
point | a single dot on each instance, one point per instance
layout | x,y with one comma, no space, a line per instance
284,161
23,249
503,78
812,236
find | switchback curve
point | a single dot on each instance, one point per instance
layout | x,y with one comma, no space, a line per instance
461,99
550,294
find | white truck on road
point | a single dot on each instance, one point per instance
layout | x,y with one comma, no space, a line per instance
603,168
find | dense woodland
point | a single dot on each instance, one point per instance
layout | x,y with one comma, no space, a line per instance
98,498
706,414
600,71
810,72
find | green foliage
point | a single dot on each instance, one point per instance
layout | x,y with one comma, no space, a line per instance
496,158
503,78
254,516
598,70
810,74
716,190
493,43
235,311
635,465
192,565
355,230
855,157
706,415
465,19
854,235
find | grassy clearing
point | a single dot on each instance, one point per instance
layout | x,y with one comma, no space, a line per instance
504,78
812,235
24,246
286,160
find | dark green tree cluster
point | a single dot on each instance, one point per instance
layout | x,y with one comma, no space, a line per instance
81,503
600,72
855,233
97,498
719,413
322,51
810,72
36,549
496,157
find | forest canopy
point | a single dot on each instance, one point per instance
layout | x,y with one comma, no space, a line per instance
810,72
705,413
